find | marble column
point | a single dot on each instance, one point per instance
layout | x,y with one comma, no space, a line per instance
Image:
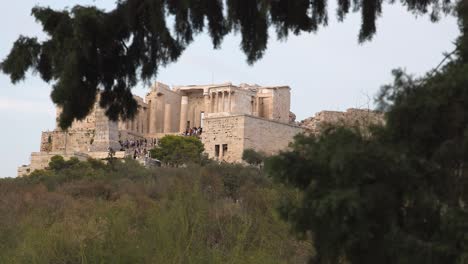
206,99
229,103
167,119
183,113
161,104
141,120
215,100
152,116
211,103
258,105
224,101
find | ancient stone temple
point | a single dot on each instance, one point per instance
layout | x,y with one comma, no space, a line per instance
233,118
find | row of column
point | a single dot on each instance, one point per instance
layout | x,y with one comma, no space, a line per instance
160,112
220,101
137,124
160,116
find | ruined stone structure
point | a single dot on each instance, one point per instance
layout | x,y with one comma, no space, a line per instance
233,118
360,118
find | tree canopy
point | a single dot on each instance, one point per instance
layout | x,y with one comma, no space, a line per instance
89,49
253,157
178,150
398,194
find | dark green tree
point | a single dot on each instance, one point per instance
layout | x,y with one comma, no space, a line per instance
253,157
88,49
397,195
57,163
178,150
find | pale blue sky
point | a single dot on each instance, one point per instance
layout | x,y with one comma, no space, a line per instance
328,70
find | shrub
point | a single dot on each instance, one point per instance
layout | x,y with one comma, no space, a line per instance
253,157
177,150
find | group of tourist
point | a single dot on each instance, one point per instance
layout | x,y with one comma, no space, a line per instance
194,131
139,143
138,148
140,153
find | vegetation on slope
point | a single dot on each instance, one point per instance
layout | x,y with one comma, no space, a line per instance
89,212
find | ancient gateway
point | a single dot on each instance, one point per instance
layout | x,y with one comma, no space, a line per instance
233,118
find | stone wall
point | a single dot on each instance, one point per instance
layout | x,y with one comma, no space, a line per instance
242,102
351,118
40,160
129,135
225,138
85,124
106,133
268,136
75,140
281,104
24,170
219,131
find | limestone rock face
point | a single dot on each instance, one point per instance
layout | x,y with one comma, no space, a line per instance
292,118
351,118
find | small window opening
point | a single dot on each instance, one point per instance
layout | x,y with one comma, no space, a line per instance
225,149
217,151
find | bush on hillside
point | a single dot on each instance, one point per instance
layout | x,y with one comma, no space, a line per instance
57,162
178,150
253,157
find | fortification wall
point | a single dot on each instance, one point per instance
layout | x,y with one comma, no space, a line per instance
351,118
106,134
281,104
40,160
227,132
268,136
86,124
74,140
226,138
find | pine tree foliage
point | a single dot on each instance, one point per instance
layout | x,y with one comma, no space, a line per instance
88,49
399,195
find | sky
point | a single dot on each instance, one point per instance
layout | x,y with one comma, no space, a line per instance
327,70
